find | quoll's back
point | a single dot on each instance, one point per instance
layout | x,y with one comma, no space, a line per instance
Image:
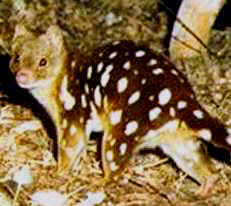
136,97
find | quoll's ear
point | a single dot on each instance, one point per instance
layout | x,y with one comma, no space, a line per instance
55,37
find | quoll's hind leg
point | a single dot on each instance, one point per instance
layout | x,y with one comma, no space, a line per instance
191,156
182,144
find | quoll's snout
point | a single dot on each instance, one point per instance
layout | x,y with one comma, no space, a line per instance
23,77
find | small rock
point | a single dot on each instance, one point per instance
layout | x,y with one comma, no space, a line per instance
48,198
93,199
23,176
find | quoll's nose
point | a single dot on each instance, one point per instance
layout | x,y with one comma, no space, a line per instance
24,77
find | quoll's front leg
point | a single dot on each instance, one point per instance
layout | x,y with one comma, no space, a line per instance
73,144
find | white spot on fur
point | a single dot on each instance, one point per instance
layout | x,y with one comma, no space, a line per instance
151,97
127,65
172,112
135,72
94,123
143,81
100,67
154,113
123,148
198,113
73,63
157,71
228,129
181,104
83,101
164,96
81,120
86,87
109,155
112,55
97,96
134,97
205,134
122,84
65,96
106,75
173,71
115,117
131,127
140,53
115,43
228,139
152,62
77,81
89,72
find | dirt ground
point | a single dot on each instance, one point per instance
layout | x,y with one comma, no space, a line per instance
152,178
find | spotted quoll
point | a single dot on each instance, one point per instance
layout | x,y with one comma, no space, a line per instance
135,96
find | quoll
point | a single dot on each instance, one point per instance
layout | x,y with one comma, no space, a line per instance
135,96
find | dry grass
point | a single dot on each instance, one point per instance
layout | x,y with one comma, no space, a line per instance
150,179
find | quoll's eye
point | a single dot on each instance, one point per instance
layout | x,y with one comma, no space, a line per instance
43,62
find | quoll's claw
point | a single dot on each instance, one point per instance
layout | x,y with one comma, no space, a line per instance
138,98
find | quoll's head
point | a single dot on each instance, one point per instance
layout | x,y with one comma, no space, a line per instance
37,59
